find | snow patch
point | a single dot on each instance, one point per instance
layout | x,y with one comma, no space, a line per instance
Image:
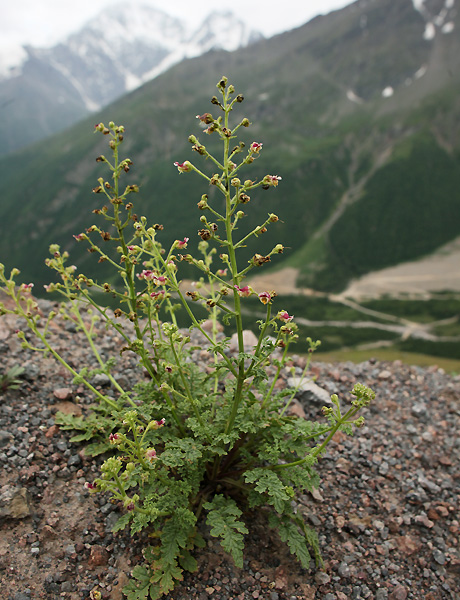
388,92
12,57
430,31
421,72
353,97
419,5
448,27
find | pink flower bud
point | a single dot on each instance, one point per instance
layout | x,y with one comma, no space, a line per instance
181,244
271,180
244,291
151,454
184,167
160,280
284,316
265,297
255,148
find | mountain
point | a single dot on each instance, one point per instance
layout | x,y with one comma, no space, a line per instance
116,52
357,110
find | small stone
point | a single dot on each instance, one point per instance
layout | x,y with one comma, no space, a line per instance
408,544
296,409
48,533
209,324
274,596
344,570
399,593
5,438
442,510
281,579
309,392
14,502
425,521
439,557
31,372
62,393
381,594
322,578
74,461
69,550
52,431
418,409
249,341
101,379
98,556
384,375
316,495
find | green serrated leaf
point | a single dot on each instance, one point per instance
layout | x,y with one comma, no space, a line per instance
297,545
267,482
222,518
138,590
122,522
97,448
188,562
181,452
82,437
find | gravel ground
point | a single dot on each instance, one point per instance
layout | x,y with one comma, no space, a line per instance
387,511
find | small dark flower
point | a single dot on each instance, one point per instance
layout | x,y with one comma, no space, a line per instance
204,234
206,118
258,260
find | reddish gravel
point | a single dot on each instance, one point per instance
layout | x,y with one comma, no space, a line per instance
387,511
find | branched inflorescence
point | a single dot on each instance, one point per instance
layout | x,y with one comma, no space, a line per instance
191,442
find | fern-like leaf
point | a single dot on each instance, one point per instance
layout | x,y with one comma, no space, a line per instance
290,534
269,484
223,519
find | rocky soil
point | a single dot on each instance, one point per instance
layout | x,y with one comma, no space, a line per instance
387,511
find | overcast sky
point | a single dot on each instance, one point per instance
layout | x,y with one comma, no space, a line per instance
43,22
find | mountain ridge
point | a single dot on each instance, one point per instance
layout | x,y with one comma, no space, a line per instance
396,156
110,55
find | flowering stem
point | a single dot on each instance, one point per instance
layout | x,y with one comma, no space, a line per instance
275,379
190,397
317,451
259,342
302,377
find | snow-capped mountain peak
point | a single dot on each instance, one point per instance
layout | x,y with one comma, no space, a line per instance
124,46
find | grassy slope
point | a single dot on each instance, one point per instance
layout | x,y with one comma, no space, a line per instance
316,139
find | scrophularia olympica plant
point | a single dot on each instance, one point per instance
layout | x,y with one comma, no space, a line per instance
191,443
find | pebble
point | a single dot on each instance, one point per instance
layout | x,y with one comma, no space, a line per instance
439,556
